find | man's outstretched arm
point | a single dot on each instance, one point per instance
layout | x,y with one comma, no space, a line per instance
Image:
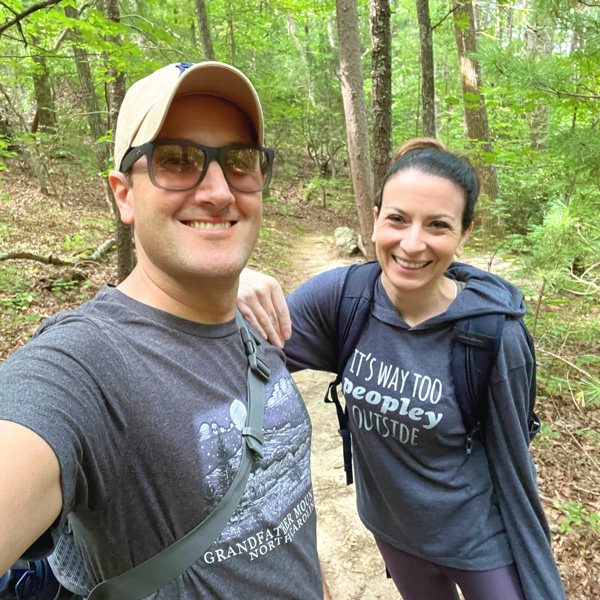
30,491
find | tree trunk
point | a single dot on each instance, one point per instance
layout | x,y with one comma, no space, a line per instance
231,31
115,96
84,73
45,113
38,162
540,40
98,130
356,118
510,18
475,112
381,93
427,68
204,29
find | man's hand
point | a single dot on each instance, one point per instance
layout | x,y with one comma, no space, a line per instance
262,303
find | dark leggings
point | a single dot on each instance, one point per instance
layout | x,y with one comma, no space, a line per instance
419,579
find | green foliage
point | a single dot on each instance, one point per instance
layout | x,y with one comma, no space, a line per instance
589,434
326,192
6,151
566,245
19,301
545,436
16,297
76,243
546,431
591,390
576,516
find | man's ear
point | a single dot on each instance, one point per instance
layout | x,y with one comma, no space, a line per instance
464,237
123,195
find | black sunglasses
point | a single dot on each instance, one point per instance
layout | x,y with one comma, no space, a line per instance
181,165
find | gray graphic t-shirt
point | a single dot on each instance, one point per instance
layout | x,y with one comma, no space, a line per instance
417,489
144,412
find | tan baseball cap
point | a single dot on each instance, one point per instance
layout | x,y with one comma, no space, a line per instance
147,101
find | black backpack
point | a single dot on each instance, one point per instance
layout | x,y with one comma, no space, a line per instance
474,350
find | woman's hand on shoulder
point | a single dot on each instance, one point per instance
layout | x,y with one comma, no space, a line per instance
262,303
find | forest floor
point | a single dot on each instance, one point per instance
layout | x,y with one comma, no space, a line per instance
296,242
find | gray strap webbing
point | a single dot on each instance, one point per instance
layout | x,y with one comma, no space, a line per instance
159,570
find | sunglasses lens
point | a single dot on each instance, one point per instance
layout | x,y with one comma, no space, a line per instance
177,166
246,169
182,166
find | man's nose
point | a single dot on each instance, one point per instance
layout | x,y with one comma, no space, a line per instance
214,188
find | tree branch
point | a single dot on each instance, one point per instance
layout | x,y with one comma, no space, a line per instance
6,25
61,38
560,93
567,362
445,17
98,255
103,250
47,260
8,8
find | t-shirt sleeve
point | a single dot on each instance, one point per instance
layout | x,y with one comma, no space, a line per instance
313,309
62,386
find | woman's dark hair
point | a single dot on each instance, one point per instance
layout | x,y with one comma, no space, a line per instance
433,157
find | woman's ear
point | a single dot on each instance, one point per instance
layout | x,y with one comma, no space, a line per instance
375,215
123,193
464,237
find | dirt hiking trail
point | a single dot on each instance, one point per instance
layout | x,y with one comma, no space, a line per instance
352,565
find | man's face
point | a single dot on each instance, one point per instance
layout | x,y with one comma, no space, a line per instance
206,233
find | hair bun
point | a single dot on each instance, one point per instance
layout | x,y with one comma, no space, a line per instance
423,143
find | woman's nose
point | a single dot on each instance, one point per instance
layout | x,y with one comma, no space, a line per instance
413,240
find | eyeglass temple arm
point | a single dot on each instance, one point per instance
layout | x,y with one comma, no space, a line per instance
132,155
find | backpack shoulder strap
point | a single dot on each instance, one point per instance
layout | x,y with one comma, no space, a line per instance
354,308
159,570
474,353
353,311
533,421
475,345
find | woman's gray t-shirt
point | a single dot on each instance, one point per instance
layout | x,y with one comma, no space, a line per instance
417,488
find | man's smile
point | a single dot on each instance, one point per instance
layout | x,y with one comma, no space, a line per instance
209,225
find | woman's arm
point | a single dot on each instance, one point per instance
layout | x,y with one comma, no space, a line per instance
312,310
262,303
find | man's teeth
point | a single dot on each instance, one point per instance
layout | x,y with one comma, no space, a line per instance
410,265
206,225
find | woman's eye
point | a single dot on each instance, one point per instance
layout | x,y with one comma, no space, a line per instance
440,225
396,218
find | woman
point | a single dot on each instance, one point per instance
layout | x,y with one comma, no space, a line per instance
440,517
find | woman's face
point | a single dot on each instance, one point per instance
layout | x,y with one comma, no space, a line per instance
418,231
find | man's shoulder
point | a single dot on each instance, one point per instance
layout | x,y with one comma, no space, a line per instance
95,315
89,329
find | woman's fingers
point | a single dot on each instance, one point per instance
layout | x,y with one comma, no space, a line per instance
262,303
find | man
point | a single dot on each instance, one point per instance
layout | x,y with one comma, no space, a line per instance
124,416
